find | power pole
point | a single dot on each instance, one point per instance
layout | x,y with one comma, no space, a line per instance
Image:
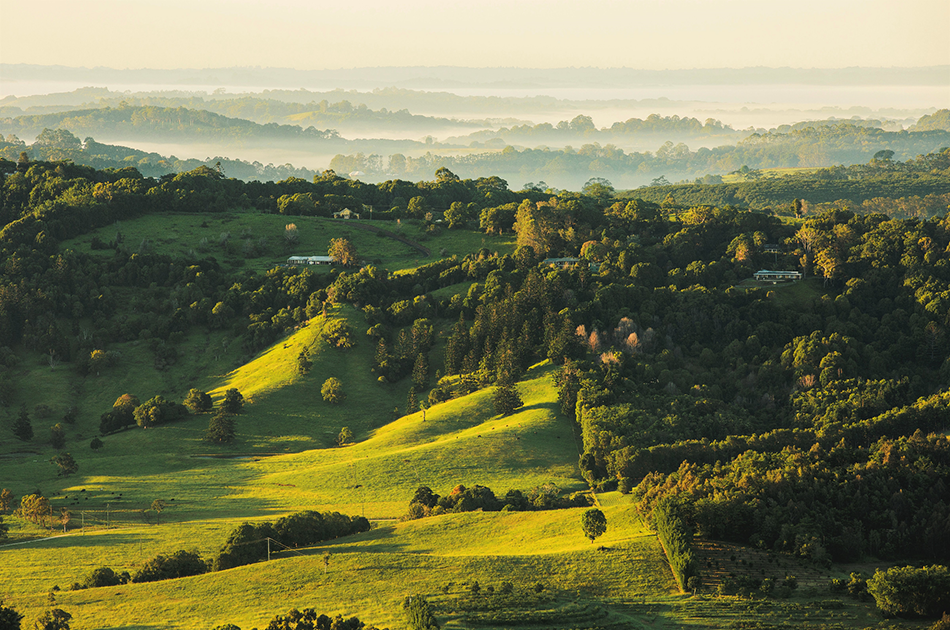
268,549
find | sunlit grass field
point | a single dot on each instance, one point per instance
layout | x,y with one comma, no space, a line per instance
290,432
199,236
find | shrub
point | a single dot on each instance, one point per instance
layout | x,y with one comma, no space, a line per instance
419,614
338,334
198,401
332,391
178,564
909,591
104,576
248,543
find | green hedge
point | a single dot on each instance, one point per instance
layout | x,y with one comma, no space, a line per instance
677,538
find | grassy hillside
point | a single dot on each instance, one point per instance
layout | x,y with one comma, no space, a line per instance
460,441
256,241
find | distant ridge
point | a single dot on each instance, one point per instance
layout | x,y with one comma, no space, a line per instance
444,77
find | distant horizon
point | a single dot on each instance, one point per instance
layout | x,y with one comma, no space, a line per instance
816,69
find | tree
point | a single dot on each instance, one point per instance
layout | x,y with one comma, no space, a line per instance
64,517
420,372
459,214
55,619
332,391
343,252
412,402
6,500
220,428
594,523
198,401
911,591
22,428
506,399
125,405
346,435
291,235
157,410
303,362
96,444
158,506
3,534
537,227
808,237
67,465
9,618
598,187
419,614
417,207
338,333
57,436
233,401
34,508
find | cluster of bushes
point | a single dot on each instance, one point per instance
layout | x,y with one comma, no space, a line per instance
677,538
309,619
127,410
425,502
248,543
161,567
745,586
911,591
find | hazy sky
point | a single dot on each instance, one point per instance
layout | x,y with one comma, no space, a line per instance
307,34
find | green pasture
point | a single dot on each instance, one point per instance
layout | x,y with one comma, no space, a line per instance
735,178
289,431
201,235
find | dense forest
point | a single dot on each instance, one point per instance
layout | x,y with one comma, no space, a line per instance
807,419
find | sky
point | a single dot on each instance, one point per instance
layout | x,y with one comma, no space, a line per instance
307,34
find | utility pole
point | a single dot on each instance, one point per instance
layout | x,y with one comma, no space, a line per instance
268,549
83,523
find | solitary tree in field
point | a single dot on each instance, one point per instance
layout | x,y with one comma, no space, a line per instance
67,465
55,619
220,428
34,508
332,391
22,427
291,236
506,399
419,614
9,617
345,436
57,436
594,523
158,506
343,252
303,362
